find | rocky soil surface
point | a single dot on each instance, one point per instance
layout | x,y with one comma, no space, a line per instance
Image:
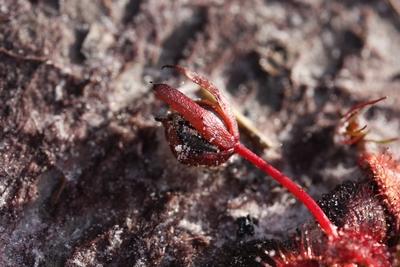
86,174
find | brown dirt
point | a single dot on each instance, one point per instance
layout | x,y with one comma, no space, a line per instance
86,175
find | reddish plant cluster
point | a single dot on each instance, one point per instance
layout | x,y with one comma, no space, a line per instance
367,215
205,133
349,130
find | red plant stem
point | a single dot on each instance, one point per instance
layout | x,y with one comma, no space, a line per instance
326,225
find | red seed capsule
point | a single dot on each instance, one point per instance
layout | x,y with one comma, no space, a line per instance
206,133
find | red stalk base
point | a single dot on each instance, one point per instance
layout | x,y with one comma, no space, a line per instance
294,188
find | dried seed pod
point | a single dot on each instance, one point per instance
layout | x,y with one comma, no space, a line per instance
206,133
188,146
199,132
